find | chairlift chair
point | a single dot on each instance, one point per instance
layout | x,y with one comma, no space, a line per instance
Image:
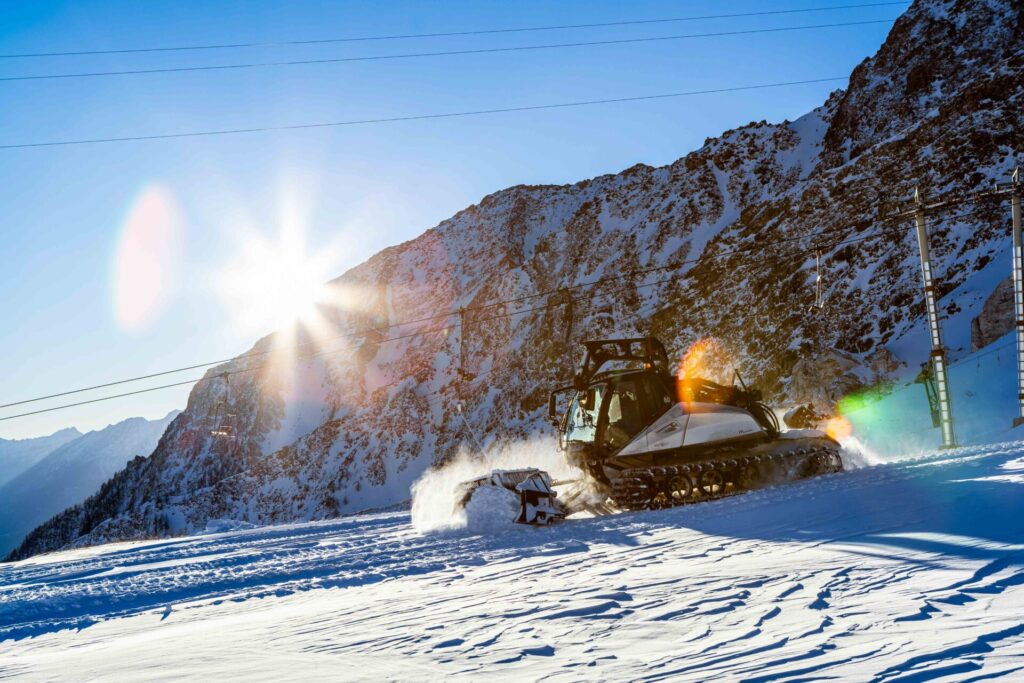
223,422
819,304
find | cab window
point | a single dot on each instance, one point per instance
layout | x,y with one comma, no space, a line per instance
658,396
582,422
625,414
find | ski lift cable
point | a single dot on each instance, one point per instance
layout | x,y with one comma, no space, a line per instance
442,53
103,398
444,34
986,352
675,265
419,332
218,376
754,246
972,357
416,117
221,375
207,378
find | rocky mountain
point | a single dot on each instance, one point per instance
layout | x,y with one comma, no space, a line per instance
720,243
996,318
17,455
70,472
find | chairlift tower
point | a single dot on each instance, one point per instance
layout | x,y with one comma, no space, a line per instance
1018,290
938,354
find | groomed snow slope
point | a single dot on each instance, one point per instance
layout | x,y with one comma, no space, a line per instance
910,570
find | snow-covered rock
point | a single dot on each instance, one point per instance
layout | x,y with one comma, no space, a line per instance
822,378
939,107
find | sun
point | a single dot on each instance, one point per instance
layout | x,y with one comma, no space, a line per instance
271,283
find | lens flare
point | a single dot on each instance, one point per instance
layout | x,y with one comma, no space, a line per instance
706,358
146,260
839,427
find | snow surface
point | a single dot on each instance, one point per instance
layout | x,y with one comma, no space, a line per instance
983,395
908,570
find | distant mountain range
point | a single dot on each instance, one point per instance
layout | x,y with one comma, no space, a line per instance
939,106
17,455
67,467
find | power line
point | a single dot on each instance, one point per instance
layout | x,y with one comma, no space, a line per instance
445,53
982,354
446,34
750,248
419,117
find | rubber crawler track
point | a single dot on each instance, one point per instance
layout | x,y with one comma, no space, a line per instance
646,488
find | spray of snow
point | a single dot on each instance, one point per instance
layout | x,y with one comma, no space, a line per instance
435,504
491,509
856,454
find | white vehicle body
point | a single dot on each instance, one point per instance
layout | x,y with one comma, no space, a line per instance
689,424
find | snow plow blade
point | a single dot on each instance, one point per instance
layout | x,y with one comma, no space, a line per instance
538,502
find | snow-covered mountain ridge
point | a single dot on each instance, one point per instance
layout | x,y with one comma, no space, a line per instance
938,106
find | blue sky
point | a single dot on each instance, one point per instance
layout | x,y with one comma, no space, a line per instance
66,213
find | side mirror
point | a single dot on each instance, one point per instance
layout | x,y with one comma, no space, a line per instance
579,383
552,411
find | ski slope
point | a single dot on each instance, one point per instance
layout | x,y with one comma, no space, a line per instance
905,571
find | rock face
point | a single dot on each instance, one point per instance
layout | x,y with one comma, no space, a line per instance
717,244
996,317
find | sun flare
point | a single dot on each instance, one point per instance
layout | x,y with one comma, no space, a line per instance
706,358
270,284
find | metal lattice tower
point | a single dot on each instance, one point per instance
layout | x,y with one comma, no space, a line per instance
938,354
1018,292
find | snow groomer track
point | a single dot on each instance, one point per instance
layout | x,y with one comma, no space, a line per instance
908,571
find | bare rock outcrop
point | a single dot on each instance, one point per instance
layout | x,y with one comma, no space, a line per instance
996,317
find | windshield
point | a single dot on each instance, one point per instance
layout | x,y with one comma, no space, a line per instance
582,422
